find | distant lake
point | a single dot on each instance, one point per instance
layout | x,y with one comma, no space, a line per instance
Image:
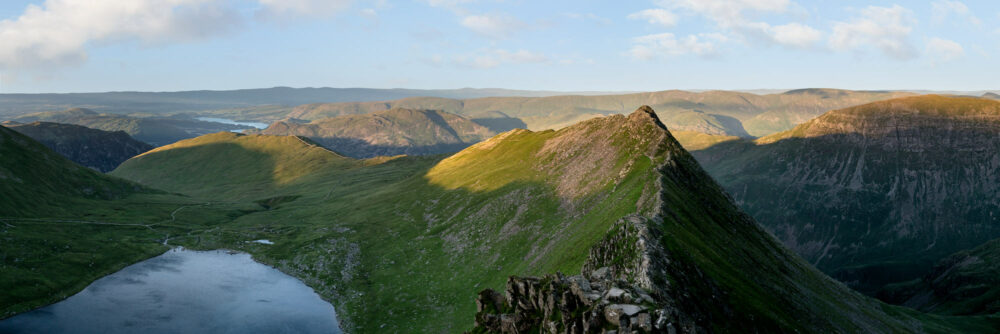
229,121
185,291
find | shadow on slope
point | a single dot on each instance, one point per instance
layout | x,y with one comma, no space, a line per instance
868,214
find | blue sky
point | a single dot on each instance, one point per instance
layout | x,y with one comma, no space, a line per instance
164,45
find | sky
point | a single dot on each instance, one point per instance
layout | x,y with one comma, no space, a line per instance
572,45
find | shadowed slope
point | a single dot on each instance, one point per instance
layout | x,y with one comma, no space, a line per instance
877,193
97,149
35,180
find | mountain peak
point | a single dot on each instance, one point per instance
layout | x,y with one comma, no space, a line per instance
646,113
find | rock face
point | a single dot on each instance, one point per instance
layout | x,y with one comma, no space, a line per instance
874,194
97,149
388,133
621,289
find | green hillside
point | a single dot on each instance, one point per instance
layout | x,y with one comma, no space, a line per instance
712,112
390,241
387,133
873,194
37,180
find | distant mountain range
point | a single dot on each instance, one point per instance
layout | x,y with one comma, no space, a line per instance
153,130
711,112
97,149
154,103
874,194
387,133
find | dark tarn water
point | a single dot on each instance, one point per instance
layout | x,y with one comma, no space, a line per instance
185,291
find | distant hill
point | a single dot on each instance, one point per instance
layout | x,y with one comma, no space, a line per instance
97,149
155,131
230,161
967,282
12,105
877,193
387,133
712,112
991,95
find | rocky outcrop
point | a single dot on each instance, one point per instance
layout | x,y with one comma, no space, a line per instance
622,289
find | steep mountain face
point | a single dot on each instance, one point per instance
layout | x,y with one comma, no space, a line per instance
877,193
967,282
97,149
402,244
713,112
156,131
388,133
35,180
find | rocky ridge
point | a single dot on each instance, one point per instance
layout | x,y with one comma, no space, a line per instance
620,289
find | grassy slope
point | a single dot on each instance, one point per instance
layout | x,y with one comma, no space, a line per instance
63,226
403,244
876,193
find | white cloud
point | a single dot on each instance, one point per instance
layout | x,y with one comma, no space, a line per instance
658,46
484,59
943,50
727,13
657,16
884,28
731,17
493,26
59,31
291,9
794,34
943,9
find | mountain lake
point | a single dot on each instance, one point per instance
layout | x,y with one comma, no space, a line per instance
185,291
